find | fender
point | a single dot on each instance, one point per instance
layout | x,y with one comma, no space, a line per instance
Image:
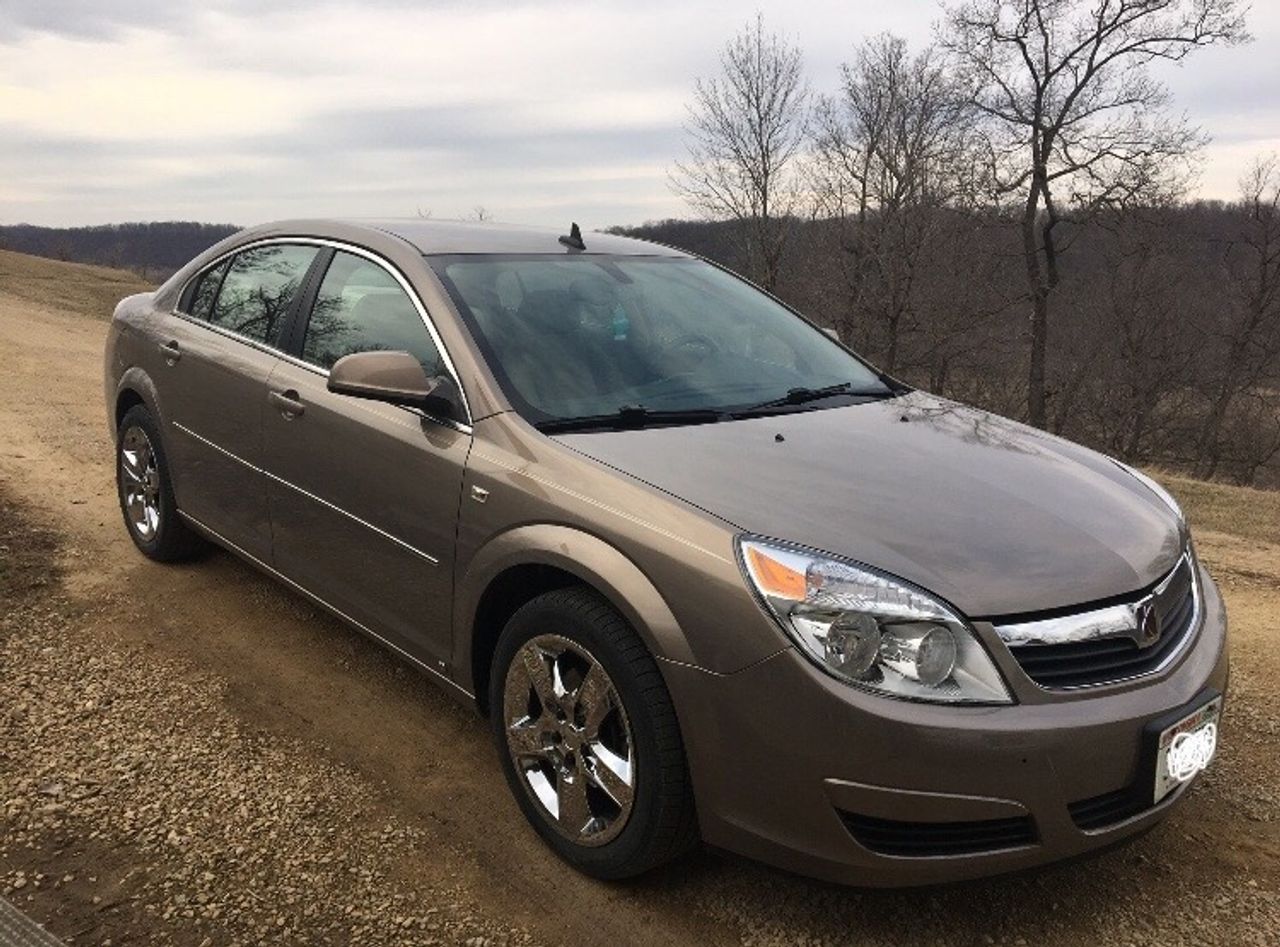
136,379
581,554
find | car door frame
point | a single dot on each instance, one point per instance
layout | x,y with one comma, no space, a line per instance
292,337
270,347
299,317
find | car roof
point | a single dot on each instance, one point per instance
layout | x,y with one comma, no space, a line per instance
456,236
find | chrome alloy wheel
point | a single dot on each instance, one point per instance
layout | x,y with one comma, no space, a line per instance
570,739
140,483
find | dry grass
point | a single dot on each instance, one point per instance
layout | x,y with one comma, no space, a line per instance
77,287
1240,511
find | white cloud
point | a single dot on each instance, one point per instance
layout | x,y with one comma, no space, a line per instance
244,110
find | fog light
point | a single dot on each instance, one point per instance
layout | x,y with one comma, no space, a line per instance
922,651
852,644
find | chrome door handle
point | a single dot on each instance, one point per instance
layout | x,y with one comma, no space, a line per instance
287,402
170,351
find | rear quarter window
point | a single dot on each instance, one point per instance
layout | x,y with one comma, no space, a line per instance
205,291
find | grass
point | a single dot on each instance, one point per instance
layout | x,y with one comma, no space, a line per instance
76,287
1240,511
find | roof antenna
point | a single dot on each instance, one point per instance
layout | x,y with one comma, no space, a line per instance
574,240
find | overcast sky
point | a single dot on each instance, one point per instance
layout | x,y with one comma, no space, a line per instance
247,110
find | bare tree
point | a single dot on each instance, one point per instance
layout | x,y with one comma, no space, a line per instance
1246,334
746,130
891,150
481,214
1076,121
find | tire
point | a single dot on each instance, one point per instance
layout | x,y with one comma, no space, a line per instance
146,492
570,630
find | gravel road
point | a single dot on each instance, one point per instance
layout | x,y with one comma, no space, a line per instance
194,755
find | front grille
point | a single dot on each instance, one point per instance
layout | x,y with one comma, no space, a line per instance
924,839
1101,660
1110,808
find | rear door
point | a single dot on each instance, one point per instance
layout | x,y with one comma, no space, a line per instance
364,496
217,353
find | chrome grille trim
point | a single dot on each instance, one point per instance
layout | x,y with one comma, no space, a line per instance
1111,621
1071,652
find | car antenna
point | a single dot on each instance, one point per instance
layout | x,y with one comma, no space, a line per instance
574,239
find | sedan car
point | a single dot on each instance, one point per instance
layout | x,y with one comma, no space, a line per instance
708,573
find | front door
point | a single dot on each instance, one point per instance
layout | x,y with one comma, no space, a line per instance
363,495
212,368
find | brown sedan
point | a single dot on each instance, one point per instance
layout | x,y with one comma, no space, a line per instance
708,573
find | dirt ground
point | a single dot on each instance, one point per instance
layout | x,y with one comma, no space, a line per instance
195,755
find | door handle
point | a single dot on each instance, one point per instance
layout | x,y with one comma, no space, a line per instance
287,402
170,351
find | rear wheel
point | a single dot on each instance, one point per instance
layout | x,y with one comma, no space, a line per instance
588,736
146,495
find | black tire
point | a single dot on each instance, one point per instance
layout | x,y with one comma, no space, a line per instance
662,823
171,540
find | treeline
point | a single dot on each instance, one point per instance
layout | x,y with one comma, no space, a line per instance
154,250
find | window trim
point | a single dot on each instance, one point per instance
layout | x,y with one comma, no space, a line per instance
306,296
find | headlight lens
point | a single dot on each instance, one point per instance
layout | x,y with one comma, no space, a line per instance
871,630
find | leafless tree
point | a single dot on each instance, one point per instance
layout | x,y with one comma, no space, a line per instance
890,151
745,133
1247,330
1076,122
480,214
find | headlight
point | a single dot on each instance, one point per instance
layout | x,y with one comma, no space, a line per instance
871,630
1155,488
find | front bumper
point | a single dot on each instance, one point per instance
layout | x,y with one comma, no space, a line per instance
792,767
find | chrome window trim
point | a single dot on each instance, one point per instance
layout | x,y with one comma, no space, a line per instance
306,493
463,426
1100,623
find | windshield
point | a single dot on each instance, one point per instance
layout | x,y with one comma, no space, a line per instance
594,335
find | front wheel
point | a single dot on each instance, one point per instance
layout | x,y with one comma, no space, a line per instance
588,736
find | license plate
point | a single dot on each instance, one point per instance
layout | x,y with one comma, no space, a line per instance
1185,748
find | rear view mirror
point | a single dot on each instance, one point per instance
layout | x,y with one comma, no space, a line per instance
394,378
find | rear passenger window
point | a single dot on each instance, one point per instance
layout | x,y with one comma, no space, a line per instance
258,288
362,308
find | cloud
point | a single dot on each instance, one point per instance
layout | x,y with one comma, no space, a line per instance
78,19
256,109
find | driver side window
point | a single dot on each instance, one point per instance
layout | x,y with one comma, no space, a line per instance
362,308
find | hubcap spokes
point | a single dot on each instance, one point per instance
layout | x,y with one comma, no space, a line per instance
140,482
570,739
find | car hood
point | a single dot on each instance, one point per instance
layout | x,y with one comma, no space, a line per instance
995,517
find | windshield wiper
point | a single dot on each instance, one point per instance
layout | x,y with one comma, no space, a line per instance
806,395
628,417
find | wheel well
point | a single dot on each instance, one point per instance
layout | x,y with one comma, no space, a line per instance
124,401
505,594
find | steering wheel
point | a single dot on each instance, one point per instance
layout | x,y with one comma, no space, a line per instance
696,347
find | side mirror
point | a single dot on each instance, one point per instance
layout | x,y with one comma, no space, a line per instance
395,378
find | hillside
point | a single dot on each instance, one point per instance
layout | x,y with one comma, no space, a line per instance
77,287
